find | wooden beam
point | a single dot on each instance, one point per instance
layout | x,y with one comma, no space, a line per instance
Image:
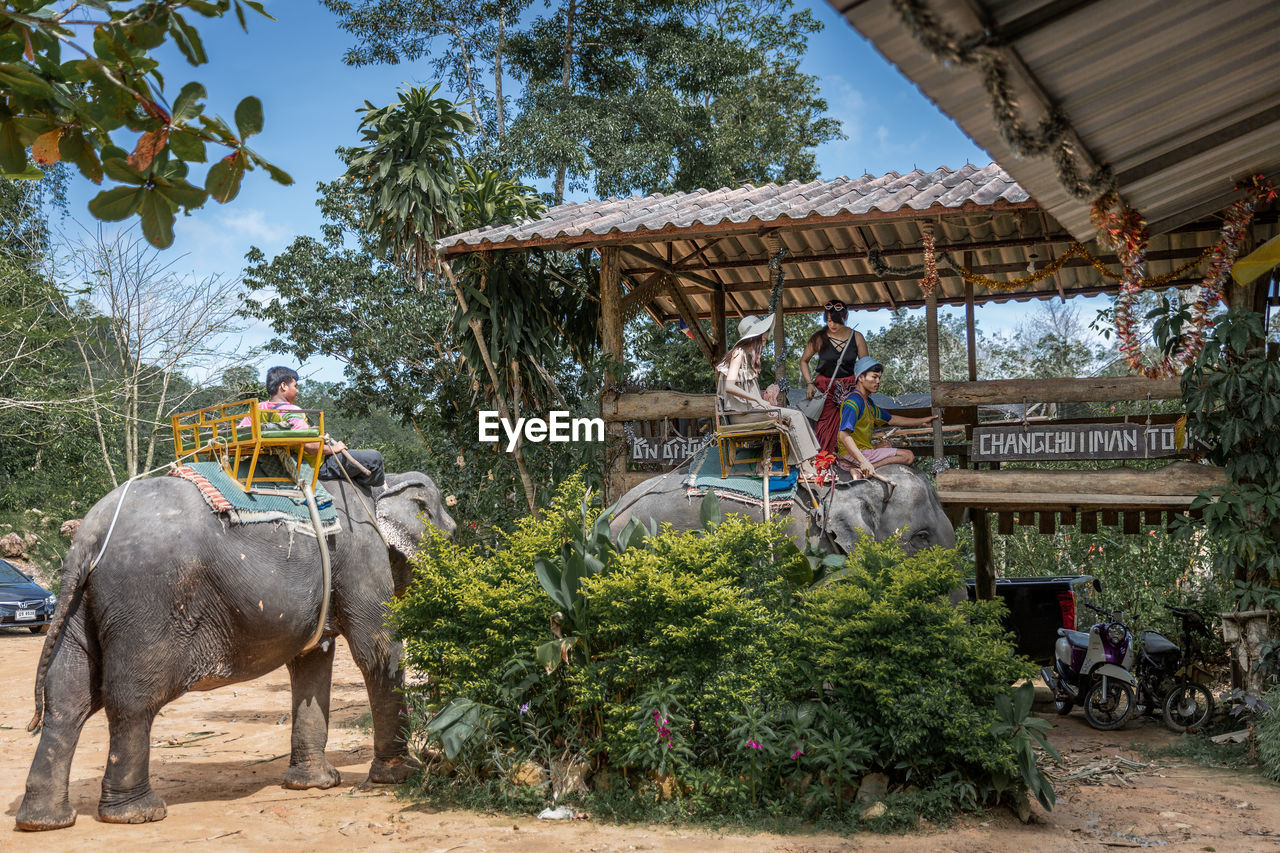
1057,390
1067,518
656,405
1089,523
1004,523
1132,523
935,368
1110,518
1048,520
1029,503
1178,478
690,317
662,266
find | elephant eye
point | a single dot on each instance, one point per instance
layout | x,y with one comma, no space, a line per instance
920,536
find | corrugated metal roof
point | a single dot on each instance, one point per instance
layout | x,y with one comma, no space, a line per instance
1181,99
868,196
719,241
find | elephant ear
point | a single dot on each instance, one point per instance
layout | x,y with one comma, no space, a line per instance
396,520
855,511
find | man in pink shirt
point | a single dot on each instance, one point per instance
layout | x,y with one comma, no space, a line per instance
282,388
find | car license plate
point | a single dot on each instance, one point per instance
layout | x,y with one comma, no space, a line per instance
23,615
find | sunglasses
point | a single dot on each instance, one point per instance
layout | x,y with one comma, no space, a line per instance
833,305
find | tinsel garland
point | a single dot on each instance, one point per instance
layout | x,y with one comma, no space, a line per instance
983,52
1124,229
1076,250
778,275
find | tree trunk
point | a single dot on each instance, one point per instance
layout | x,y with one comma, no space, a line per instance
503,410
499,111
566,78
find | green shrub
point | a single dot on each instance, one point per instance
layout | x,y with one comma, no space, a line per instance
703,666
1267,730
918,675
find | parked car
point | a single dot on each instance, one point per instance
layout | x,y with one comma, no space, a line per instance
23,602
1038,607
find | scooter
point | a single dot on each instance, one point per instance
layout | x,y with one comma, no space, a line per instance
1094,669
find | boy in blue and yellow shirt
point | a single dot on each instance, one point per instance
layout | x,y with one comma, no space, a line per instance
859,417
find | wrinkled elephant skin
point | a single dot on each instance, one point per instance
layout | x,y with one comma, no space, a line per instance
857,508
180,601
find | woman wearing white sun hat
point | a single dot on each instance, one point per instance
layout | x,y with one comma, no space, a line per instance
738,387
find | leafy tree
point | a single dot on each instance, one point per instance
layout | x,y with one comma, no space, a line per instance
64,101
619,96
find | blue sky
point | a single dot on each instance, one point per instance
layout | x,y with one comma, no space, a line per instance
294,65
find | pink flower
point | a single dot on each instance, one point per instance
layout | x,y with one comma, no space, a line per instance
751,744
799,751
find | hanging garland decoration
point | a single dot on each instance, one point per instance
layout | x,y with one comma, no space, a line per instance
983,51
775,300
1126,231
1076,250
930,280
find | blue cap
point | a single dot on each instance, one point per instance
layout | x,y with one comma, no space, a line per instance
864,364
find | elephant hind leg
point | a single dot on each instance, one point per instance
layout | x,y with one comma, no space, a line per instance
310,678
127,796
71,698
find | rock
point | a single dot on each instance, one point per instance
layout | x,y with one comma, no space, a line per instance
30,540
569,777
874,786
11,545
875,810
530,774
70,527
668,787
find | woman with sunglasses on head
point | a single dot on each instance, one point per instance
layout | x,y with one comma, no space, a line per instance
836,356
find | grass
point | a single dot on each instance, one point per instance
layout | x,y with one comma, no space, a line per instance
364,723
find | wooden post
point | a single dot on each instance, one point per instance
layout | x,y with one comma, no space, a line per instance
721,342
615,451
969,321
935,374
984,568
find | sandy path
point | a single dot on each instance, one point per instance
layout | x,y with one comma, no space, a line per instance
223,792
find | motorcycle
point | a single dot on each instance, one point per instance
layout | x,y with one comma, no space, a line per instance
1112,677
1095,670
1166,675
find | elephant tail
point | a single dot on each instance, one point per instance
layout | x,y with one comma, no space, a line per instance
73,577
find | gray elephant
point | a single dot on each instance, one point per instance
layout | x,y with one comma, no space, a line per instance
180,601
862,506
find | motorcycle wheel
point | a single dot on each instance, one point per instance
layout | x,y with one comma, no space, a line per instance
1188,707
1109,711
1063,705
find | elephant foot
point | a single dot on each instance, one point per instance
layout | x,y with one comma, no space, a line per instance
33,819
392,771
302,776
144,809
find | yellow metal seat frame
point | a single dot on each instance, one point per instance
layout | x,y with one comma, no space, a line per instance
212,434
744,436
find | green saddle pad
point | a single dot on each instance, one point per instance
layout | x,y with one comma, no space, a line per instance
223,494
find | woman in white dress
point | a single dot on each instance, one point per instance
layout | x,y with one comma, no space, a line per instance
738,387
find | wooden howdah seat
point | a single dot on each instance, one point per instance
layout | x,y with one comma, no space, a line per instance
214,434
751,437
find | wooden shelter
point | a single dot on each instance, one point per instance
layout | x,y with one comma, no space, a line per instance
715,255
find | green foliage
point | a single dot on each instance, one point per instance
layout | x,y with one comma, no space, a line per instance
1139,574
1232,396
711,666
1267,732
67,108
620,97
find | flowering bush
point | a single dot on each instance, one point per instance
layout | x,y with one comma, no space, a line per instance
713,682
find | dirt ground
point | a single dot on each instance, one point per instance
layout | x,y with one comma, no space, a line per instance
218,759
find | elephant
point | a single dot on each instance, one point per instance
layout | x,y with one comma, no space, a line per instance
180,601
909,507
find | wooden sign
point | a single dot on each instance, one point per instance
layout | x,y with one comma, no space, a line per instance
668,452
1045,442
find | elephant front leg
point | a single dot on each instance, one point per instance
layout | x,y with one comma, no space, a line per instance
310,676
379,659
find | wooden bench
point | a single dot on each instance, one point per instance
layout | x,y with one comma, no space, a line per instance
220,434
